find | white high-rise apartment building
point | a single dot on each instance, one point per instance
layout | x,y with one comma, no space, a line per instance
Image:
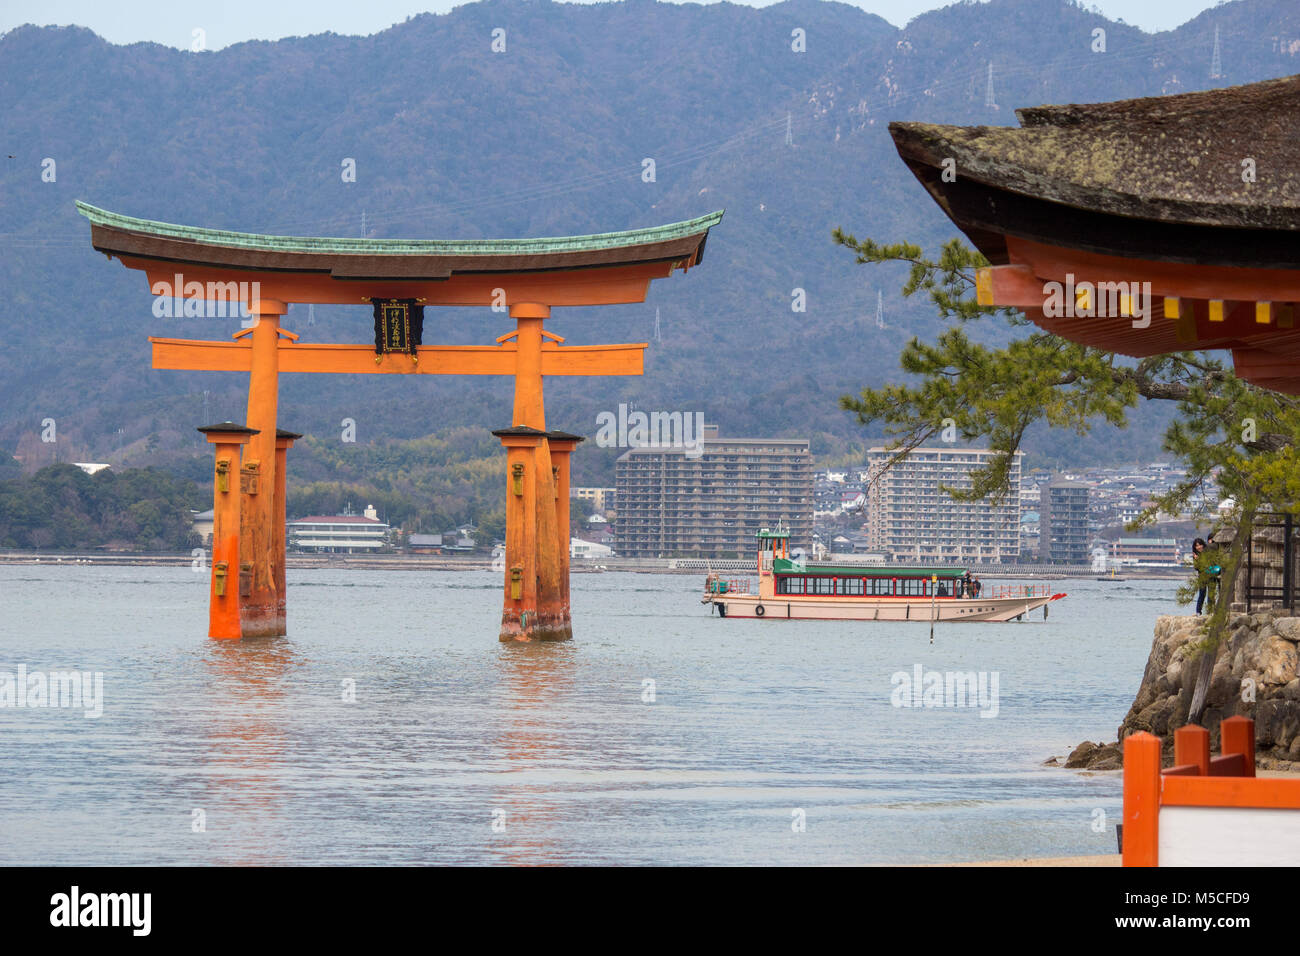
912,519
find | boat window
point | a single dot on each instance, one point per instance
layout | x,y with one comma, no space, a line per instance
821,585
851,586
789,585
912,587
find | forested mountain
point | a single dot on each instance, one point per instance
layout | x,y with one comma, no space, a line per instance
547,137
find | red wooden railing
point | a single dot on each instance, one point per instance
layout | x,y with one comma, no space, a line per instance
1192,750
1018,591
1195,780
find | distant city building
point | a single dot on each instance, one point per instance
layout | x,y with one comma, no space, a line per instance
1145,551
911,517
339,534
1064,535
589,550
712,503
462,539
601,499
203,522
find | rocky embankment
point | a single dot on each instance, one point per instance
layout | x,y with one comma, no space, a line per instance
1255,675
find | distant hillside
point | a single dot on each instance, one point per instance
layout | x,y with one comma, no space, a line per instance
451,139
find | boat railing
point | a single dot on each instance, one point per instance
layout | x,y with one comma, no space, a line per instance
1018,591
717,585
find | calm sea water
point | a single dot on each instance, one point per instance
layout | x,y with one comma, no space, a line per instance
458,749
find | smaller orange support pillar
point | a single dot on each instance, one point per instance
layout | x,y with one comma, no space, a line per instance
1141,799
223,589
562,445
283,442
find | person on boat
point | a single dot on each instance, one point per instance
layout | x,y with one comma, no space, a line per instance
964,585
976,586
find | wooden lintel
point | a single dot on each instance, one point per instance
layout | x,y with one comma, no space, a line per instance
192,355
1013,286
1227,283
1025,285
611,285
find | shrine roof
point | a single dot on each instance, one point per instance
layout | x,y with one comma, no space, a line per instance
1173,162
118,234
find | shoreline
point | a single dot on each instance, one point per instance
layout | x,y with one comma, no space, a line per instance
1100,859
482,562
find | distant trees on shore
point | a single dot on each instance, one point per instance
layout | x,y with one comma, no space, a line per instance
61,507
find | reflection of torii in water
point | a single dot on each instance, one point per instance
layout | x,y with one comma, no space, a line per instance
398,278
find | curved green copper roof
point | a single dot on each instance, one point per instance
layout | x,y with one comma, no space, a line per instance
456,247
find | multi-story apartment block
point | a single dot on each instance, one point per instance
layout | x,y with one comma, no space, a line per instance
711,502
911,517
1064,535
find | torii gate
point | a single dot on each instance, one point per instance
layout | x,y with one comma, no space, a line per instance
398,278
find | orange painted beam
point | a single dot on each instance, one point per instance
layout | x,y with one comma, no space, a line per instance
1013,286
1258,363
1267,793
196,355
1166,278
593,286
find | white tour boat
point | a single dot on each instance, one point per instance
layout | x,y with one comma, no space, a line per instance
794,589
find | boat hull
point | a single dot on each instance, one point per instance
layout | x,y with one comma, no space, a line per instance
884,609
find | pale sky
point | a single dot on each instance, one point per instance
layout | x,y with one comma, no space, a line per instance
223,22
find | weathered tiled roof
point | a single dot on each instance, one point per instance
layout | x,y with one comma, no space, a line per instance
1171,160
680,244
405,247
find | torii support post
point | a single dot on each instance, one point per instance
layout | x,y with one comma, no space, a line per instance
534,605
223,588
283,442
520,603
562,445
536,602
259,608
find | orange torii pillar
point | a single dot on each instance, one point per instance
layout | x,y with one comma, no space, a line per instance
283,442
258,479
534,606
223,589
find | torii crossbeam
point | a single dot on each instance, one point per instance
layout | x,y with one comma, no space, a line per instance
398,278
